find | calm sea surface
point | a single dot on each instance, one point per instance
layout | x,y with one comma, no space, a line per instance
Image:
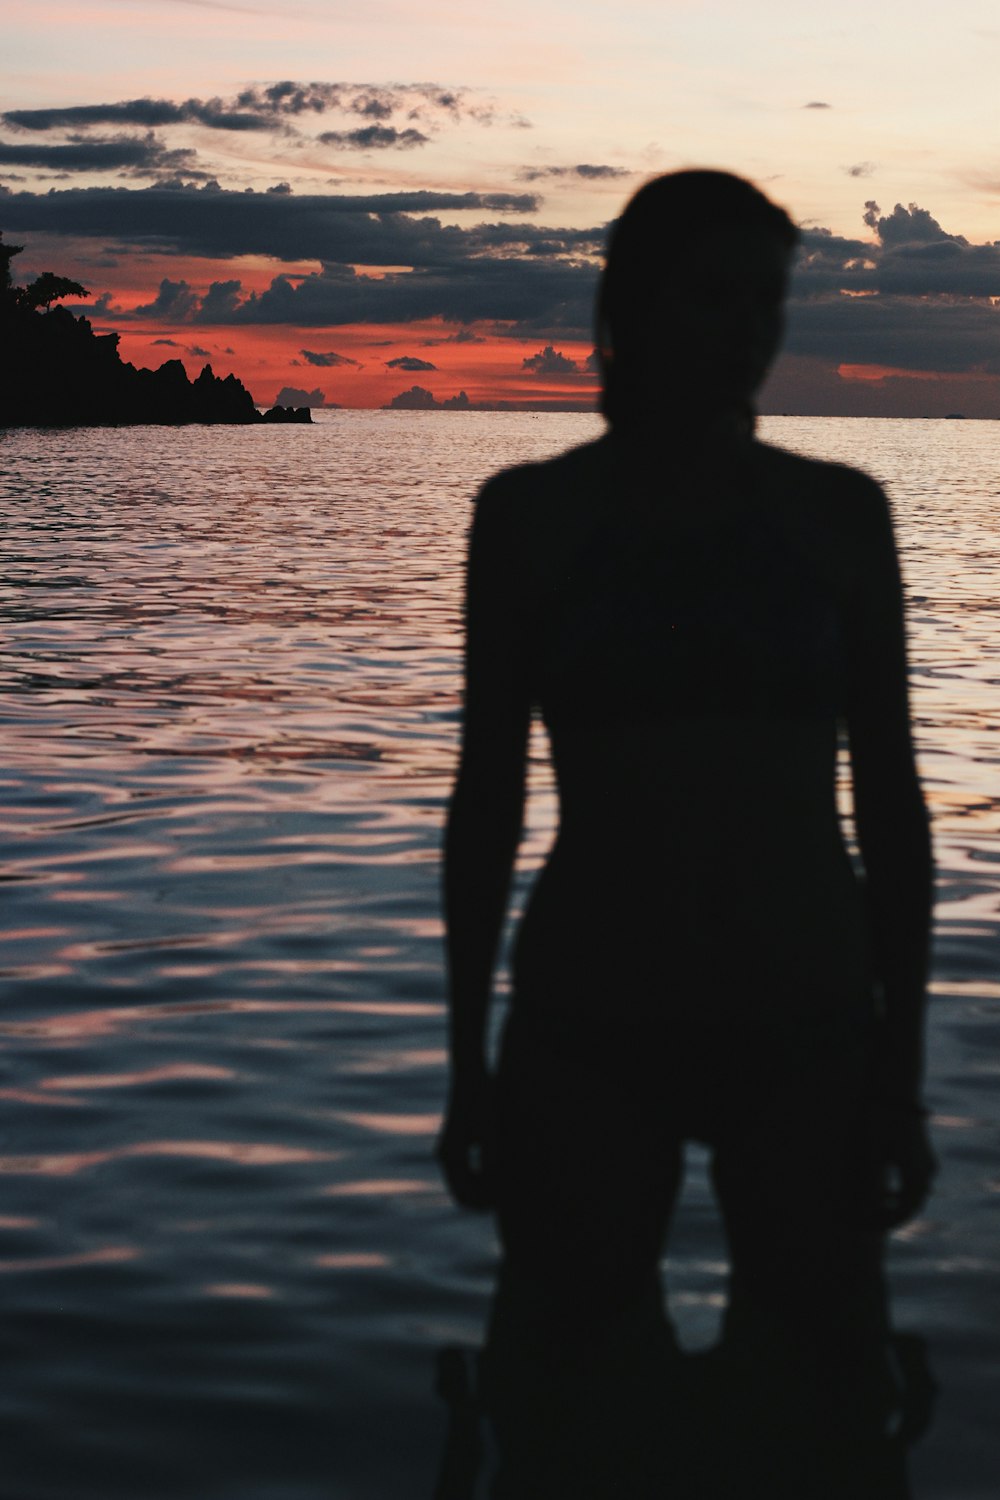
229,723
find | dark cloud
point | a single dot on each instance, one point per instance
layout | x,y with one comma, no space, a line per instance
896,332
142,156
101,307
149,112
374,138
290,395
860,169
220,302
591,172
290,98
913,257
419,399
415,399
130,112
361,229
527,297
817,104
369,101
463,336
327,360
181,182
270,107
945,270
917,298
280,187
175,301
829,262
194,349
408,362
908,226
586,170
539,278
373,107
550,362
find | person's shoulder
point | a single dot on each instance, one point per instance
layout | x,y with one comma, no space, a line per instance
544,479
533,511
801,468
849,493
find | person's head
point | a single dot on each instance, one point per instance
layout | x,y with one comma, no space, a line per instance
689,308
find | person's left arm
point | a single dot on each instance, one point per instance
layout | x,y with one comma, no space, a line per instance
484,822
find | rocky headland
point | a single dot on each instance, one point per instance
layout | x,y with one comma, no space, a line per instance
59,373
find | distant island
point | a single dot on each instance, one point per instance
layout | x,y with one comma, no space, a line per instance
60,373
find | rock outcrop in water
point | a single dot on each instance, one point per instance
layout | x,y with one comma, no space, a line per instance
59,373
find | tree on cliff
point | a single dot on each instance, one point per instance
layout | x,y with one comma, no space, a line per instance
41,292
46,289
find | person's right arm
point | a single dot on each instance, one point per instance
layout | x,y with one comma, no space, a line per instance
484,822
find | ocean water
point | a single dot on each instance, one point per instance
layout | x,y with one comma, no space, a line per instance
229,721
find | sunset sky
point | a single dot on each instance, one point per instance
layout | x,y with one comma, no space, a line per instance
353,200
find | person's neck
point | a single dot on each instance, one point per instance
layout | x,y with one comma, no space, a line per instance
680,436
687,423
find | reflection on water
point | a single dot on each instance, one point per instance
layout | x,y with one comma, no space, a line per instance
600,1411
229,715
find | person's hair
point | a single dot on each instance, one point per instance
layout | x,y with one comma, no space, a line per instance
654,234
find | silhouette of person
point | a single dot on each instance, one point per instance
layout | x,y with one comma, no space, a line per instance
697,615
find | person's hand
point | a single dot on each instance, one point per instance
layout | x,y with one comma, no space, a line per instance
909,1163
892,1181
464,1147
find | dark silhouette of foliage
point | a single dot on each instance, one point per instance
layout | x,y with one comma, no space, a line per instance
47,288
7,253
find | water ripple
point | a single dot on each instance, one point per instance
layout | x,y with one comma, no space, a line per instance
229,714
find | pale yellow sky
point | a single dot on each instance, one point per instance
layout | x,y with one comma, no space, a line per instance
648,85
